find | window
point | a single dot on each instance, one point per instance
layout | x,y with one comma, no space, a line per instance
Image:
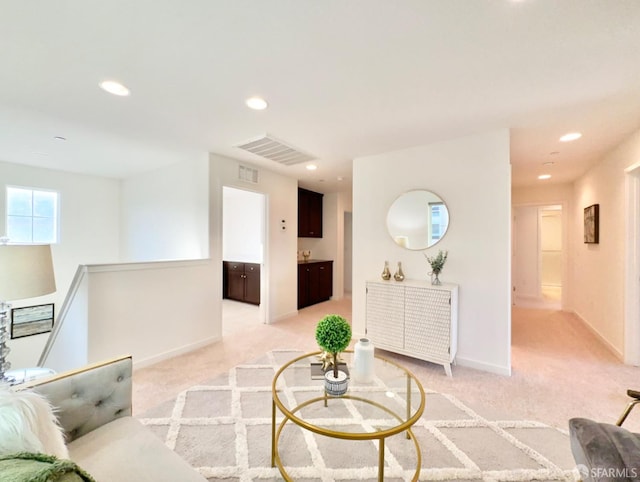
439,221
32,215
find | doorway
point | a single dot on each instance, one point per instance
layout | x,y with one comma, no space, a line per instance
243,245
538,257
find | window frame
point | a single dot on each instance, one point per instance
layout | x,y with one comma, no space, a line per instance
56,218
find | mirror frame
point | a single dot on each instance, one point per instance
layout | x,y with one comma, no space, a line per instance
395,235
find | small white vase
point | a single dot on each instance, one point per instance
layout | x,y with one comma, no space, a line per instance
363,359
336,386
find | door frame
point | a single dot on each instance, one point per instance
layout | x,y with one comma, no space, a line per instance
632,264
264,265
565,243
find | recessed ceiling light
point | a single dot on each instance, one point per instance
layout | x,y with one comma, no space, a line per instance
60,138
572,136
115,88
544,176
311,167
256,103
548,163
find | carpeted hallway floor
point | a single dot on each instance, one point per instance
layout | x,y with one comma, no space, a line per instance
560,369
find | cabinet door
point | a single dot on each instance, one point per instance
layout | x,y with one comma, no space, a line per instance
325,281
303,285
313,283
225,279
309,214
252,283
428,322
385,315
235,280
314,229
303,209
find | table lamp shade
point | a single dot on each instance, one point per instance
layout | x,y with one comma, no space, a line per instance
26,271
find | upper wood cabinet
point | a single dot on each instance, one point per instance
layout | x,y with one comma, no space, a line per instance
309,214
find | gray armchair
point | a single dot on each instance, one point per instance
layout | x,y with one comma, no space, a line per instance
606,452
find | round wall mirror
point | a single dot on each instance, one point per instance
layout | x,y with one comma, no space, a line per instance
417,219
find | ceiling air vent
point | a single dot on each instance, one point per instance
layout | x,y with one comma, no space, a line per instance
248,174
270,148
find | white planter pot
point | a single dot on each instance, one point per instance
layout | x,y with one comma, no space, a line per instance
336,386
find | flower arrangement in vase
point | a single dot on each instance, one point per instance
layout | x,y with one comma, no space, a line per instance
437,264
333,334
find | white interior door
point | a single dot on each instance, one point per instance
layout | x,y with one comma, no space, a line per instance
526,253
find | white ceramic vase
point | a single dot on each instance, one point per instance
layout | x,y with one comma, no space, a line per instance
363,360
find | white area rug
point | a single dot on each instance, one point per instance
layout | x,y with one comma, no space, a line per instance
223,428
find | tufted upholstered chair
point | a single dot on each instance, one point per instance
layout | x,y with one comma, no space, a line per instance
92,397
93,406
605,452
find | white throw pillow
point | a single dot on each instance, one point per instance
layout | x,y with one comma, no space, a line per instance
28,424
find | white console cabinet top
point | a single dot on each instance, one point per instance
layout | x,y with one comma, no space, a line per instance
417,283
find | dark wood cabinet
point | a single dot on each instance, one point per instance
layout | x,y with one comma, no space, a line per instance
241,282
315,282
309,213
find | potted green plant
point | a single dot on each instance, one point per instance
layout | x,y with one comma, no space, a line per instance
437,264
333,334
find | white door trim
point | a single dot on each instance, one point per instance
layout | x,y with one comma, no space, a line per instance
632,264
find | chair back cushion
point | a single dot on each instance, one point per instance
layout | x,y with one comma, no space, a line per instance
90,397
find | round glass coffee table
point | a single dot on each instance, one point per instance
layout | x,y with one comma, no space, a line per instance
388,405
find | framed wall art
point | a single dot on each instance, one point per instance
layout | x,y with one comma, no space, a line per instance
592,224
31,320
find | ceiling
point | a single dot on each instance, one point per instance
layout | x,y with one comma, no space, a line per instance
343,79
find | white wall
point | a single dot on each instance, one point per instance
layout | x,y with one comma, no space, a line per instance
280,263
144,310
472,175
543,194
243,225
73,332
598,270
141,309
348,252
165,213
89,233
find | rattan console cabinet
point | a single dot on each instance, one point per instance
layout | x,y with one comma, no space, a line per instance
414,318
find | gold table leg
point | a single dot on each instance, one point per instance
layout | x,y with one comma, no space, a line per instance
273,433
381,460
408,401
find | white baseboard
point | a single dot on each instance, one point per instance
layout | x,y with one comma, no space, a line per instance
487,367
536,302
619,355
285,316
145,362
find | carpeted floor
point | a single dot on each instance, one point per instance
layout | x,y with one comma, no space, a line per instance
223,427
